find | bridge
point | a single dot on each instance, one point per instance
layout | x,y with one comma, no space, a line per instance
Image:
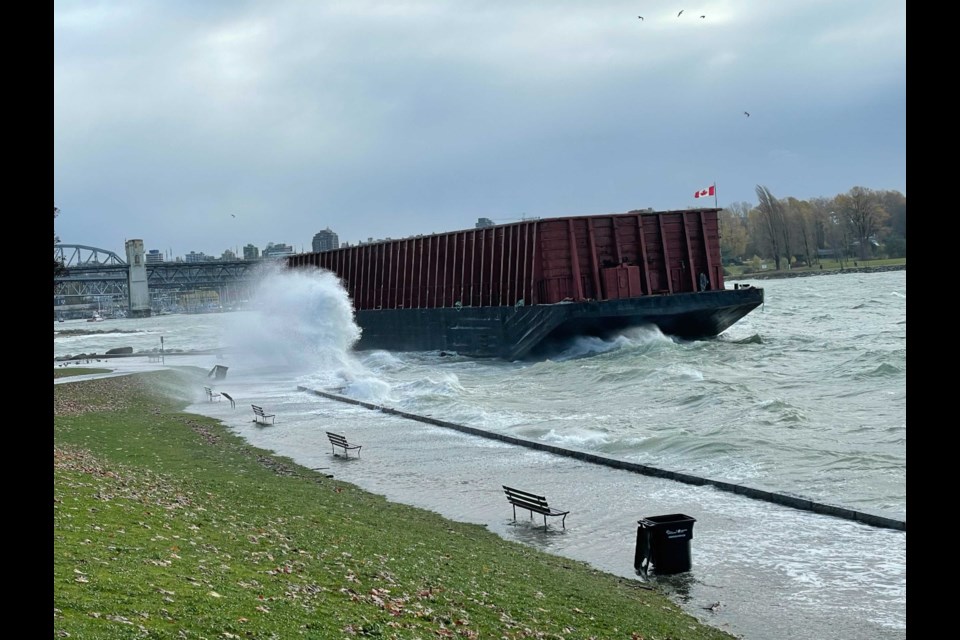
96,279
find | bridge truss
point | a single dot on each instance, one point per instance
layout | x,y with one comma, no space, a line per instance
95,276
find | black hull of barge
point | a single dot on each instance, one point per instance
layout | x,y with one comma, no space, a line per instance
511,333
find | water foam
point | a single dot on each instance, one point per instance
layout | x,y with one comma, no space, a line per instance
303,323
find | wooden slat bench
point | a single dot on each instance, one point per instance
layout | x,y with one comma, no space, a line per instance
533,503
260,416
211,394
233,403
338,440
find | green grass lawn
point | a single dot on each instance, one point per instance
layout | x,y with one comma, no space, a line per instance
76,371
168,526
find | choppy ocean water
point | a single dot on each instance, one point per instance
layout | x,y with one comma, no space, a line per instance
805,396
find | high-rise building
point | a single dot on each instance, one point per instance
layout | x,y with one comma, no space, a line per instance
153,256
325,240
484,222
251,252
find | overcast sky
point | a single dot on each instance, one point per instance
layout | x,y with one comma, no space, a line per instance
206,126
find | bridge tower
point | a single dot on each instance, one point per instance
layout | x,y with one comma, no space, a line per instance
138,293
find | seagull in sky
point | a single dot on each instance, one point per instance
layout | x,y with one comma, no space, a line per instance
233,215
746,114
641,17
681,11
703,16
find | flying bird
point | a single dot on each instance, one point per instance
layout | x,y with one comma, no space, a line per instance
641,17
233,215
746,114
703,16
681,11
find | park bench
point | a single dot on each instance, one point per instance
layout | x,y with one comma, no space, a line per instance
532,503
211,394
337,440
233,403
261,417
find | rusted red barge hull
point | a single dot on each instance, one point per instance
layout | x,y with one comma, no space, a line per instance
500,291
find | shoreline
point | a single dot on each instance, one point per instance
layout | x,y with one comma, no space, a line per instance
772,275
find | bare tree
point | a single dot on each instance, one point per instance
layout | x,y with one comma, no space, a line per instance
820,210
801,217
837,230
862,209
771,220
895,203
895,232
788,228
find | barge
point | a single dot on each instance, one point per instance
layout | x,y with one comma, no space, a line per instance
503,291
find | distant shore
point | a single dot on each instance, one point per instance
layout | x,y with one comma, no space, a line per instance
769,275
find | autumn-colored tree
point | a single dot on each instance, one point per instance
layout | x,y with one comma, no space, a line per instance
733,230
776,228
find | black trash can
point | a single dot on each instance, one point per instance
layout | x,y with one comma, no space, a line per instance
663,542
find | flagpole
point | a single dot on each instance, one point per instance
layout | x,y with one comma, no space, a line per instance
715,195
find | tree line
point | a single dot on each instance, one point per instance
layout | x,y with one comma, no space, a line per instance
860,224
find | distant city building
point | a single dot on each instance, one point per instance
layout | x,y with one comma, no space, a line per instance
325,240
153,256
193,256
251,252
484,222
228,256
277,250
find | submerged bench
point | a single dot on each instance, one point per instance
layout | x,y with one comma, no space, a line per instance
260,416
533,503
337,440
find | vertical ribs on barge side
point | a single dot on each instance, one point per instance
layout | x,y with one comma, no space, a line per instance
499,291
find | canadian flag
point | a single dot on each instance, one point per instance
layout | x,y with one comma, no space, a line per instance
703,193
